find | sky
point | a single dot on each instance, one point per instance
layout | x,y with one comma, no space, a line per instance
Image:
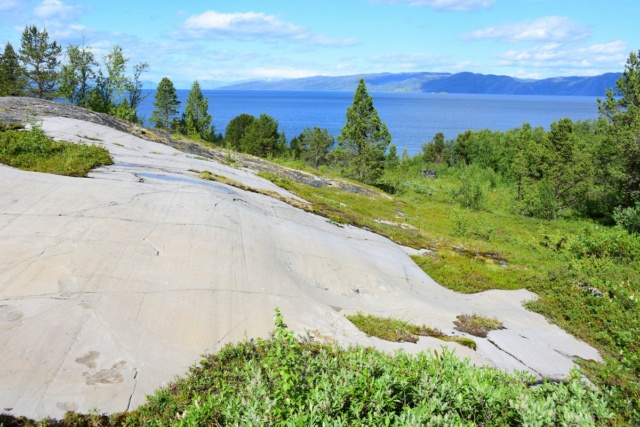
219,42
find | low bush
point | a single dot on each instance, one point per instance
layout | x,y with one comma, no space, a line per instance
34,151
628,218
605,242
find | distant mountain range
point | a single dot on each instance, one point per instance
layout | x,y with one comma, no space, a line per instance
469,83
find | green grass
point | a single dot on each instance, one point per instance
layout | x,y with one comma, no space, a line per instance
476,324
396,330
34,151
284,381
495,248
390,329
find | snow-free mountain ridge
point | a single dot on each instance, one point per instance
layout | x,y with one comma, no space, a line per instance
466,82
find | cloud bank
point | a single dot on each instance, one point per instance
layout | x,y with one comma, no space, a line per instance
250,26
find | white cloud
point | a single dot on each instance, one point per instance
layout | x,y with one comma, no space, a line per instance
60,19
549,28
56,9
452,5
596,57
250,26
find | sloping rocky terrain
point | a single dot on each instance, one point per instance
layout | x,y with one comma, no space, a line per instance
112,285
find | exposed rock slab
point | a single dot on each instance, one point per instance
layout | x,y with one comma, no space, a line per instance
110,286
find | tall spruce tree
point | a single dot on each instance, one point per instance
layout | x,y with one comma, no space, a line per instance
12,78
196,120
166,105
363,139
40,59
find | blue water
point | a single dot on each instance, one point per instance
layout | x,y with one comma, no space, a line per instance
412,118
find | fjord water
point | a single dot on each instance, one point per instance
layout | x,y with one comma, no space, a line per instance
412,118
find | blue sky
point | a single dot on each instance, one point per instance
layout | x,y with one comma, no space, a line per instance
218,42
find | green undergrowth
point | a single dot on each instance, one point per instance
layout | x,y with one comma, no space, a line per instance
587,275
34,151
284,381
396,330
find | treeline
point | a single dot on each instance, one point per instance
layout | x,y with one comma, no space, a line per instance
41,69
584,168
359,153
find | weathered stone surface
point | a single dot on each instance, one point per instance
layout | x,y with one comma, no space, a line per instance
112,285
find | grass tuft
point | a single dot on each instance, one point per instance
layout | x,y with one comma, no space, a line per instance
476,324
395,330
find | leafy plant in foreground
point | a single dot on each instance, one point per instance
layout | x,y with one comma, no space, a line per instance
34,151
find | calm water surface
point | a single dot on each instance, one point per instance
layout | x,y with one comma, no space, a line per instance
412,118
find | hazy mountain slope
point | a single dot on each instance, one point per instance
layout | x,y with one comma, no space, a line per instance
492,84
383,82
443,82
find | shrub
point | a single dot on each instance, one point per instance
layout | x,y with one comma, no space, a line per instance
628,218
471,192
605,242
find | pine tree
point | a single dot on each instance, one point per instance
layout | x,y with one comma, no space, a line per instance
363,139
261,138
166,105
621,111
196,119
315,144
12,78
40,59
434,151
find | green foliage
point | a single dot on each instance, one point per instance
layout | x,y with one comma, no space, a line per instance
77,76
196,120
605,242
396,330
471,193
40,59
476,324
436,151
134,89
166,105
363,139
34,151
628,218
390,329
314,145
621,150
236,129
261,137
461,148
12,76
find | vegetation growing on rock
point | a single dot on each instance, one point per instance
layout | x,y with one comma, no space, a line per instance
34,151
